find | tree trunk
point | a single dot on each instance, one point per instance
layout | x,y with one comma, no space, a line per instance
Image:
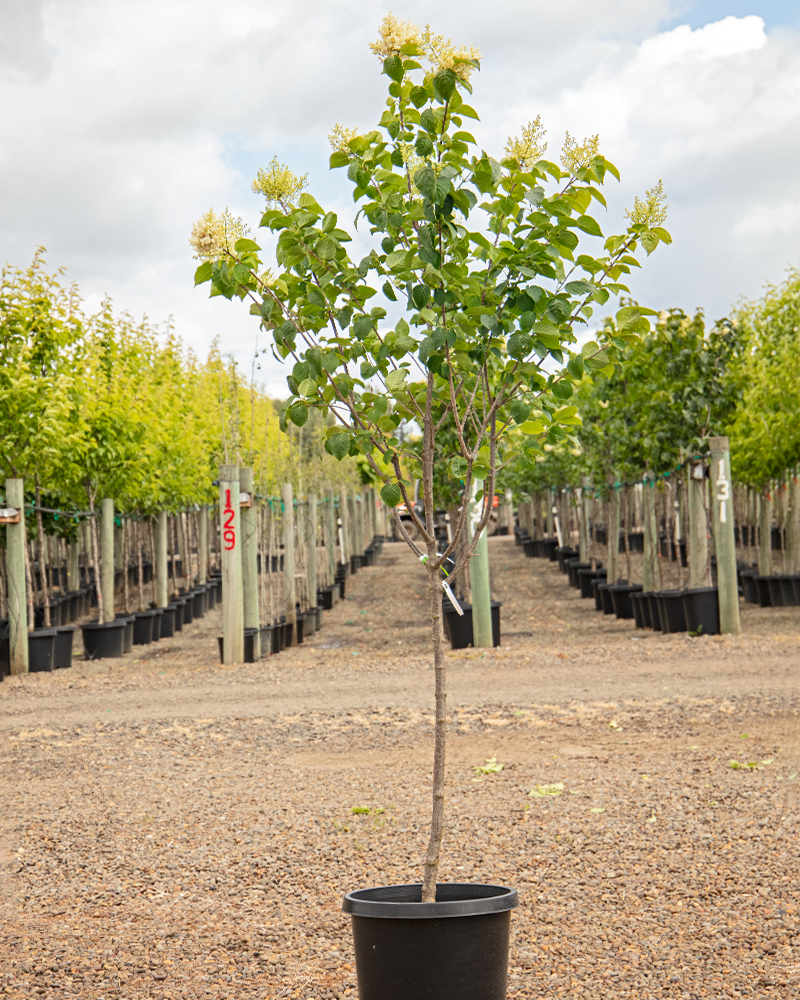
41,546
140,561
95,543
440,671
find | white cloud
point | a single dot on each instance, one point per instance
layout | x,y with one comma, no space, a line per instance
122,123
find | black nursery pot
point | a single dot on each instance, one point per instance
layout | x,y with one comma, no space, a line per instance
670,606
142,628
701,607
103,640
621,595
453,949
62,651
41,650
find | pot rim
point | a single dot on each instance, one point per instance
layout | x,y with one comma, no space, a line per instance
493,899
117,623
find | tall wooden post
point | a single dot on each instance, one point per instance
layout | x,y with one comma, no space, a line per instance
613,534
330,535
232,597
650,535
311,549
73,566
183,551
107,560
698,529
479,577
765,533
727,583
583,520
249,551
160,568
793,526
289,590
15,579
202,544
344,538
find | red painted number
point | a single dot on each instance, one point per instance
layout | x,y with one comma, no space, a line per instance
229,533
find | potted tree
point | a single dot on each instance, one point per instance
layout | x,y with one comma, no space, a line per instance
479,262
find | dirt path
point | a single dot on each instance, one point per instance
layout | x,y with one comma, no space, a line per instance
173,828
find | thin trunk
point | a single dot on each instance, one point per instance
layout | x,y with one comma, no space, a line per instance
440,671
41,545
95,543
140,561
29,580
126,594
626,533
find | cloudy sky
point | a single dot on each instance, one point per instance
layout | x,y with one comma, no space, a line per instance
123,122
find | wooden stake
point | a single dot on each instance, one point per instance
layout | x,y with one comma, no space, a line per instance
479,572
160,567
765,533
311,549
249,551
107,561
202,545
723,533
232,595
15,580
289,591
613,535
650,535
698,529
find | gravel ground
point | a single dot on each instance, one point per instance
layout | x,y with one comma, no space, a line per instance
172,828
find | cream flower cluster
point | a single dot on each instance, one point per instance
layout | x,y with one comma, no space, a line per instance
278,184
527,148
213,236
652,211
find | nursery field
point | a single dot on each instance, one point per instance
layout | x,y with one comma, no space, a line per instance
172,828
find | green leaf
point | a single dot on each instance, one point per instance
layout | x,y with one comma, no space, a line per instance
588,225
519,411
388,291
519,345
308,387
575,366
393,68
301,372
395,379
203,273
458,467
425,179
298,414
580,287
245,246
391,496
339,159
444,83
327,248
339,445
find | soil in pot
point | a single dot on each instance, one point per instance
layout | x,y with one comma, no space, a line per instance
41,650
453,949
103,640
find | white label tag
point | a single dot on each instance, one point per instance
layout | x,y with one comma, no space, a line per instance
452,597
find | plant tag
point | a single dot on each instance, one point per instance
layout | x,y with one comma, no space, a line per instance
245,500
452,597
9,515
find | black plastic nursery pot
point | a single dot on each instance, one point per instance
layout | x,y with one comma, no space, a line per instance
103,640
458,628
211,596
127,642
41,650
564,552
551,545
188,610
747,580
641,608
701,608
585,577
787,591
598,600
763,591
604,593
453,949
178,606
62,649
167,626
265,634
670,607
775,587
198,603
621,599
794,581
655,614
142,628
157,614
252,645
